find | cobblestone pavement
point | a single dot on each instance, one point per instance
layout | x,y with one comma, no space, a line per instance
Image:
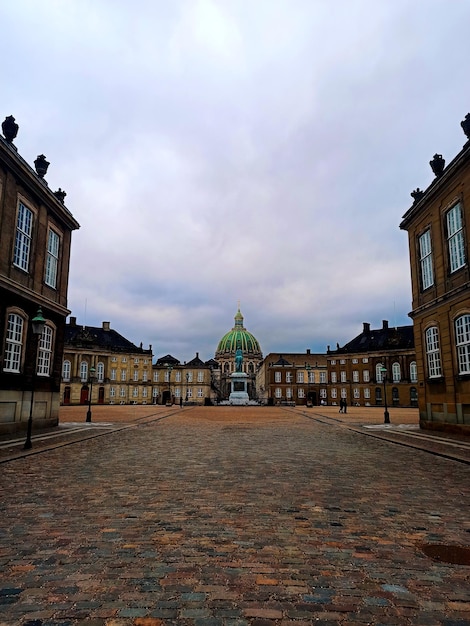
232,517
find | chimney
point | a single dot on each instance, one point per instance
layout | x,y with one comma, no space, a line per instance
73,321
384,324
197,355
366,329
308,350
106,325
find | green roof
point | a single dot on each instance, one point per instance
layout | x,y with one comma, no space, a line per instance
238,337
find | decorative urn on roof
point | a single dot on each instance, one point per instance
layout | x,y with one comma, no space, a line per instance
465,124
10,128
437,164
41,164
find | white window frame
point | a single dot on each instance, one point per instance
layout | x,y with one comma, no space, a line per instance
366,393
66,370
177,376
14,343
122,392
100,372
136,375
83,371
288,378
356,393
112,392
155,376
455,238
334,393
413,372
355,376
23,237
46,342
462,342
425,259
433,354
288,393
200,392
366,376
278,392
333,377
301,392
378,373
113,373
123,375
343,376
277,377
300,377
396,372
144,376
200,376
135,392
311,377
322,378
52,258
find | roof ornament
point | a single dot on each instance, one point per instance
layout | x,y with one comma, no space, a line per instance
41,164
417,194
60,195
437,165
465,124
9,128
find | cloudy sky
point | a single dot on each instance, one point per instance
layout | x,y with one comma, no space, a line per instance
216,151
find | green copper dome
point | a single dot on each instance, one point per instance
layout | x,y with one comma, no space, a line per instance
238,336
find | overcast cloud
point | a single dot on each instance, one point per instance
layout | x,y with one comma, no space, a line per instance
223,150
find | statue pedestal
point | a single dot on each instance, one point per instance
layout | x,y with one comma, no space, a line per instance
238,383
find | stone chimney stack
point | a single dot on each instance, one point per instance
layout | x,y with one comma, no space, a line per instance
366,329
106,326
384,324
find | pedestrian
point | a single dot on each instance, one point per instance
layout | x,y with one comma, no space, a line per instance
341,405
345,406
181,402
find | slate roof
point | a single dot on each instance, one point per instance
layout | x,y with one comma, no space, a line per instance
98,337
398,338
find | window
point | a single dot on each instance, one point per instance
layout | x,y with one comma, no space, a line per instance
343,376
455,240
190,377
323,377
200,377
136,361
155,392
135,392
277,377
24,229
288,393
123,375
355,361
114,359
122,392
112,392
425,260
462,340
177,392
144,392
124,359
366,376
333,377
136,375
333,393
322,393
432,352
146,361
378,373
113,373
100,372
45,352
52,259
14,343
333,361
301,393
355,376
343,392
83,371
356,393
378,395
365,359
189,392
300,377
278,392
178,376
342,361
66,367
367,393
155,377
199,392
311,377
144,376
396,372
413,372
288,378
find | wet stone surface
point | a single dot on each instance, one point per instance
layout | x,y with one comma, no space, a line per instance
229,518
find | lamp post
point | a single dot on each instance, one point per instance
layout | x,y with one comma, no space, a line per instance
384,380
169,369
187,385
37,324
308,367
88,413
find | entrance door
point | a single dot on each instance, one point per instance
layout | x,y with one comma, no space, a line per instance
67,395
84,395
101,395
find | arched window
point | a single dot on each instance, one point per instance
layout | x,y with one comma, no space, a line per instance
433,354
395,396
13,343
45,351
378,373
413,372
396,372
83,371
100,372
66,368
462,340
413,396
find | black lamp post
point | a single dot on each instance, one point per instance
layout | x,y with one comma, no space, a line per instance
187,385
308,367
37,324
169,369
384,380
90,380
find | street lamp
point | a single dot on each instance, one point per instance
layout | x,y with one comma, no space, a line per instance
37,324
169,370
308,367
90,380
384,380
187,385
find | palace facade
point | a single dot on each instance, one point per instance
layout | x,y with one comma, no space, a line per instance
438,225
35,237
